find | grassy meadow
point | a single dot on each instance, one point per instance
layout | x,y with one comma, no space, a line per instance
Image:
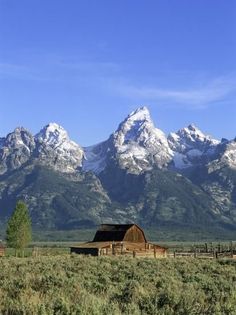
48,281
75,284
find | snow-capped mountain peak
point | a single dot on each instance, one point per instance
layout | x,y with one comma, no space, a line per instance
20,137
194,134
190,144
52,134
15,149
140,114
139,144
136,127
136,145
55,146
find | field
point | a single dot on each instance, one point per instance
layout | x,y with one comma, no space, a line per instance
162,234
64,284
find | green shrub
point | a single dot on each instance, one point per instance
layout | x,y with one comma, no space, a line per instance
77,284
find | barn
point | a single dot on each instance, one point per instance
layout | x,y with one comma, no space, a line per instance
120,239
2,249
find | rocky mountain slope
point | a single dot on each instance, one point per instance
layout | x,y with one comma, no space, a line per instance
137,175
54,148
191,147
136,146
218,179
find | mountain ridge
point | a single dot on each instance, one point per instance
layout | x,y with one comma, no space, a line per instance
136,140
137,175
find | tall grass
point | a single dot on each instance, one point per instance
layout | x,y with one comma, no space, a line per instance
108,285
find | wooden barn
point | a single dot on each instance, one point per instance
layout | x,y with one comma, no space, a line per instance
2,249
120,239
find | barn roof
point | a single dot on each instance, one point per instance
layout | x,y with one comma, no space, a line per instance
113,232
115,227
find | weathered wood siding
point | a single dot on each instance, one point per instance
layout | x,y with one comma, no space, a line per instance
120,239
2,251
134,234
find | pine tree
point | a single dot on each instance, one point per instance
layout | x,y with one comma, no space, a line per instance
19,231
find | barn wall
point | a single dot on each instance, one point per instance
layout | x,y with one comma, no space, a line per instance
134,234
161,250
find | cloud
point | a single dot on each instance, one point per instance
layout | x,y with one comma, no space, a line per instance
215,91
113,79
55,68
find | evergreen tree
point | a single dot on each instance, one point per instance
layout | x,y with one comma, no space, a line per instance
19,231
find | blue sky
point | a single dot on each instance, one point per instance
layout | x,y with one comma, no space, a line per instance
87,64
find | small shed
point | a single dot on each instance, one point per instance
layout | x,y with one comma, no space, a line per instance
120,239
2,249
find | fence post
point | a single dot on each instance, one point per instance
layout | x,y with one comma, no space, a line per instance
231,249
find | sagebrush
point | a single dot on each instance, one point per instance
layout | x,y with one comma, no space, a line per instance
110,285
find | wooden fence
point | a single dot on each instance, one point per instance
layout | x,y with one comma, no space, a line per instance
204,255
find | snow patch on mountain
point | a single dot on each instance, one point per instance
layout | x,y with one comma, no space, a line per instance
229,156
226,156
180,161
95,158
190,145
55,147
15,149
53,135
138,144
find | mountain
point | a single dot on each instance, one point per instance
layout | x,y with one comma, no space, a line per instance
136,146
225,155
95,157
51,147
16,149
56,200
186,180
54,148
191,147
218,179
